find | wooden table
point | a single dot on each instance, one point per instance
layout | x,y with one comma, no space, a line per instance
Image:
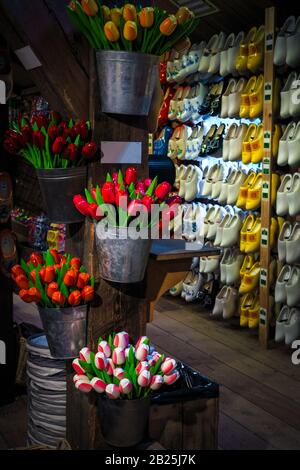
169,263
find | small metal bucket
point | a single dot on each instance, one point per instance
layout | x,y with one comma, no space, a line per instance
58,186
121,259
123,423
127,81
65,329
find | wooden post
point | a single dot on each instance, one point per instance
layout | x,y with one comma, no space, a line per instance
266,206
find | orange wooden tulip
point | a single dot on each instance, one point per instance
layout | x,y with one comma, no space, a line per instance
116,15
49,274
168,26
33,276
16,270
111,31
75,263
130,30
75,298
55,255
83,279
52,287
22,281
58,298
129,12
105,12
89,7
183,14
70,278
24,295
35,294
146,17
87,293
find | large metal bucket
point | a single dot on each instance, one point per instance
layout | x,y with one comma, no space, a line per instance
123,423
65,329
58,186
127,81
121,259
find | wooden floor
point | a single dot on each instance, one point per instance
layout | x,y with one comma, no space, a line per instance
259,389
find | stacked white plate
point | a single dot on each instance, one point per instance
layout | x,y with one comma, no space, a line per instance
46,380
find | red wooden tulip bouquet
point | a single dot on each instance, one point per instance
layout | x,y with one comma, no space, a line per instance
121,370
130,28
53,280
51,143
128,196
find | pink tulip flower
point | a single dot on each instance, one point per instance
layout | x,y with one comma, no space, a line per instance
142,352
125,386
119,373
112,391
142,366
156,382
98,385
156,356
142,340
170,379
77,367
118,356
100,361
121,340
84,387
81,377
84,355
168,365
144,379
104,347
110,367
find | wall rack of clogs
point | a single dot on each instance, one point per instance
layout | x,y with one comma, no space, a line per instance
216,137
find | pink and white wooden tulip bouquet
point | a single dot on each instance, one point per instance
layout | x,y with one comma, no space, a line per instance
123,371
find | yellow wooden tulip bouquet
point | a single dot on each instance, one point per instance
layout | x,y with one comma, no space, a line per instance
130,28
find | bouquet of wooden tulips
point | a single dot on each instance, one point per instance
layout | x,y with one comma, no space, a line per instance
130,28
121,370
53,280
51,142
128,196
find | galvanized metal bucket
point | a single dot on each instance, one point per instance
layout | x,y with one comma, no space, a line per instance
127,81
121,259
58,186
123,423
65,329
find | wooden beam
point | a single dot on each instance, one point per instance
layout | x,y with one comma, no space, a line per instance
61,79
266,206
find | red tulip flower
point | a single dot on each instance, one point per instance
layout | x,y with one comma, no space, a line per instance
17,270
35,294
98,385
25,296
162,190
68,132
172,378
148,201
52,287
134,207
75,263
71,152
75,298
77,367
70,278
83,279
49,274
121,195
130,176
108,193
100,361
36,259
22,281
81,204
58,298
26,134
55,256
89,150
58,145
53,132
87,293
147,182
140,188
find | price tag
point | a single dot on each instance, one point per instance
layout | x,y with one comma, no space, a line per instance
266,166
264,237
267,140
268,91
150,144
263,277
265,190
269,42
263,316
